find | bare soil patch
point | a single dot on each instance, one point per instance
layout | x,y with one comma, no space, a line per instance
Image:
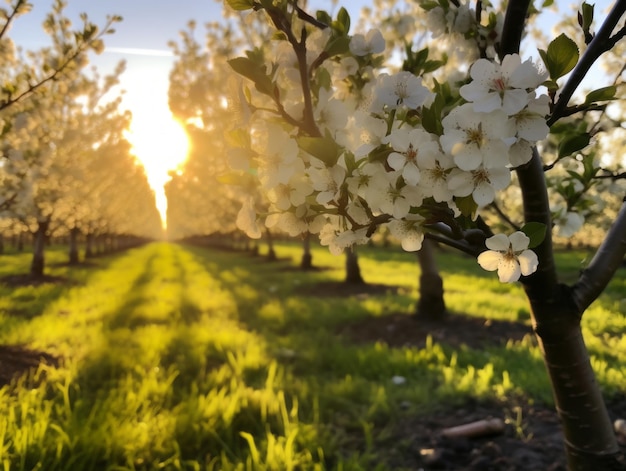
16,361
532,437
30,280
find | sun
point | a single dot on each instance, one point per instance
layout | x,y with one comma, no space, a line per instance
161,144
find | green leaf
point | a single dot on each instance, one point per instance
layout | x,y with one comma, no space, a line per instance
536,232
573,143
323,79
586,16
321,148
561,56
466,205
323,17
338,45
343,18
431,117
240,5
601,94
379,154
255,72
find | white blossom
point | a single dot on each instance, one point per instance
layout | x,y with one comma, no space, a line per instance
504,86
370,43
292,193
367,180
401,89
368,133
474,138
330,113
482,183
396,201
408,231
338,239
408,145
247,220
530,123
510,256
278,156
435,168
567,223
327,181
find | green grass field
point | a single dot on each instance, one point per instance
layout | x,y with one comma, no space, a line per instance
183,358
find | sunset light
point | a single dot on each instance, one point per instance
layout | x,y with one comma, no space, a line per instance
161,144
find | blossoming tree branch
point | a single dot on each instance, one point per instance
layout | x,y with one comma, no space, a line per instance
341,146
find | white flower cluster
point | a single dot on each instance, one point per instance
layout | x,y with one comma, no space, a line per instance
389,170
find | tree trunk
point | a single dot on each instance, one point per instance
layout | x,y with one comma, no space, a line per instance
89,245
353,271
430,304
307,259
588,431
38,263
20,242
1,244
73,254
271,254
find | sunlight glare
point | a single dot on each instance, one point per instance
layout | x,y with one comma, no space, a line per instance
161,144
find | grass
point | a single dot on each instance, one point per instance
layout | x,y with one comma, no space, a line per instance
183,358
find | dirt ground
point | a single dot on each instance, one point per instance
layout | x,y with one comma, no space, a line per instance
417,443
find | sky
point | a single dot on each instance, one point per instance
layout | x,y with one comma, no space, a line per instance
141,40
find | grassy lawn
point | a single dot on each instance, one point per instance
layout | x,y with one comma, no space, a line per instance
175,357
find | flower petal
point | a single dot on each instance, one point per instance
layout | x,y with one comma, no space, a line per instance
489,260
519,241
508,270
528,262
498,242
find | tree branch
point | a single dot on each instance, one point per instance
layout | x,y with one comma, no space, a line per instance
471,242
513,29
32,88
10,18
461,245
299,47
609,257
304,16
504,216
532,182
600,43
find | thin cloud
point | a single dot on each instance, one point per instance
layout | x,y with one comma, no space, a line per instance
136,51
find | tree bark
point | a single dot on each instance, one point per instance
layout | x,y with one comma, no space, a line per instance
38,262
271,253
73,242
353,271
590,440
307,258
430,304
89,245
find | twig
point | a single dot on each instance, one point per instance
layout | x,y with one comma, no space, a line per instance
479,428
608,258
34,87
503,216
10,18
600,43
